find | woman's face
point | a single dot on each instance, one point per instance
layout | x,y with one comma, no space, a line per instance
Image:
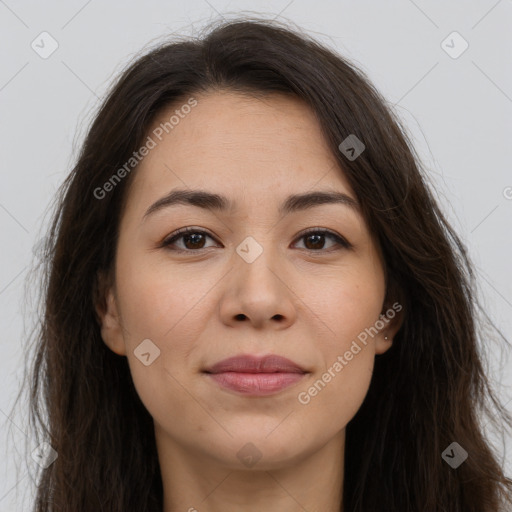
247,280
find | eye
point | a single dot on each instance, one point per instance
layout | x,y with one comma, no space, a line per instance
316,237
193,240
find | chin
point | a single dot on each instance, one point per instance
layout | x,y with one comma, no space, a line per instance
255,449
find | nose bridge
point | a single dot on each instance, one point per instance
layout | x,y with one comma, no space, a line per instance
255,262
256,290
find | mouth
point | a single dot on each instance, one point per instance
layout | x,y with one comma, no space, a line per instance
256,376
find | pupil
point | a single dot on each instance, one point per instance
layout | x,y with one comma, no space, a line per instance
318,240
195,238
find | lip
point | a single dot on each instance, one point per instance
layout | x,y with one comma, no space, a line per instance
253,364
256,376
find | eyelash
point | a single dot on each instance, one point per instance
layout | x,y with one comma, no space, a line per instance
344,244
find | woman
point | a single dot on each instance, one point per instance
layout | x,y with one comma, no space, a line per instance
252,300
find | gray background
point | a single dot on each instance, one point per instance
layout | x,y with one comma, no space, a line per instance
458,111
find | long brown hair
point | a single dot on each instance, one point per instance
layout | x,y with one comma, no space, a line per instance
428,391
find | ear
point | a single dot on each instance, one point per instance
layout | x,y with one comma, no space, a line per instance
392,316
106,308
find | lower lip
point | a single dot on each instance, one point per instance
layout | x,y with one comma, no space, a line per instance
256,384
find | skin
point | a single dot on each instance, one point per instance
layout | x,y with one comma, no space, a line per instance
256,152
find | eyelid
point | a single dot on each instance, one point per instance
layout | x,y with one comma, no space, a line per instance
185,231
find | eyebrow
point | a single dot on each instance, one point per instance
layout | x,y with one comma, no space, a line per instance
215,202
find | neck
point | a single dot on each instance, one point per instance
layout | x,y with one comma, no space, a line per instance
195,482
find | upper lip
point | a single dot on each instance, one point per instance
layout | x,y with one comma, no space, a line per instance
254,364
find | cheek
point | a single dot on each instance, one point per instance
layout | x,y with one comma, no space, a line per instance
337,390
162,308
347,303
165,308
335,396
156,301
350,308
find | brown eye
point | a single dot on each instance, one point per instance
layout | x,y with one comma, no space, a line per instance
315,240
193,239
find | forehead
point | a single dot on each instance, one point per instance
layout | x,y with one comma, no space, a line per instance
244,147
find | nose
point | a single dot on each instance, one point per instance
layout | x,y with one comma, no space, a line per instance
259,293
